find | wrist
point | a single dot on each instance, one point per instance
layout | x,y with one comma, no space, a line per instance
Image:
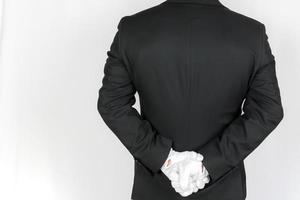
168,161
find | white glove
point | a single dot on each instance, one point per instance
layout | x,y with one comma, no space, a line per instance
185,171
192,177
171,167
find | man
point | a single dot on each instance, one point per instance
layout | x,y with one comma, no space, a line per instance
208,93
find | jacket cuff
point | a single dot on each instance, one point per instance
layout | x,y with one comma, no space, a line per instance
158,154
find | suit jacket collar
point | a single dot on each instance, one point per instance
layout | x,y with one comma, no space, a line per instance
208,2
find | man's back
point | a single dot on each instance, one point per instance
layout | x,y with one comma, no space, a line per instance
193,63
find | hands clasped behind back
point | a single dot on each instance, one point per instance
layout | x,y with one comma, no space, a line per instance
185,171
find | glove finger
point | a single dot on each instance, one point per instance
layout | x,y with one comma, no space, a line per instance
175,184
178,190
200,184
205,179
185,153
184,178
199,157
194,187
205,172
193,155
187,192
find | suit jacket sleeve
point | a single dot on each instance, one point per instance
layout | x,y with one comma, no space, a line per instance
262,113
116,98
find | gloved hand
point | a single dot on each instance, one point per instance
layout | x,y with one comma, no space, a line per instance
192,177
185,171
171,167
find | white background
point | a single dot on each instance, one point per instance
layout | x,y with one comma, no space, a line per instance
53,143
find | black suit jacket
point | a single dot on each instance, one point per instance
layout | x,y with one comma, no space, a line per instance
206,80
